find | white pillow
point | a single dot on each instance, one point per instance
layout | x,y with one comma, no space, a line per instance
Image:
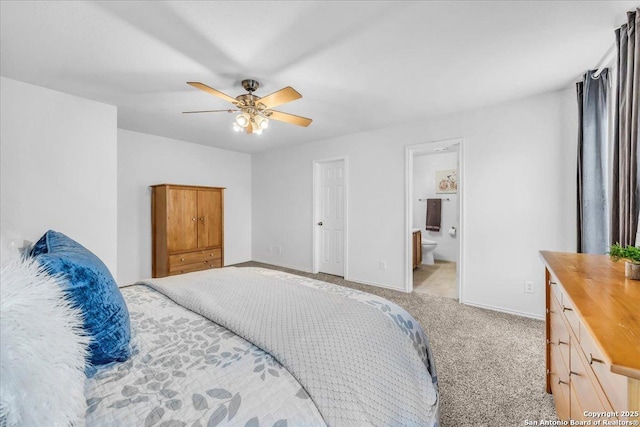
42,347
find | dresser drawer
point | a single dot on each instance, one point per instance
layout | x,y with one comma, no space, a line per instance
613,384
559,380
585,385
193,257
554,284
566,306
202,265
570,315
559,334
577,413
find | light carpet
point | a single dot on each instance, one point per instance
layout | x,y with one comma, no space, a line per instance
438,279
490,365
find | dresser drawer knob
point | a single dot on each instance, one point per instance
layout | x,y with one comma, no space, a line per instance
210,254
566,308
182,259
593,359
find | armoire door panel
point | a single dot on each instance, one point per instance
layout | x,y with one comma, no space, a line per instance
182,220
209,218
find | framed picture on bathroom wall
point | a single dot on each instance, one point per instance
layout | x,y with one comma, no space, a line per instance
446,181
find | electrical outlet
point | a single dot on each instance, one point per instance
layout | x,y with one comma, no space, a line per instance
383,265
529,287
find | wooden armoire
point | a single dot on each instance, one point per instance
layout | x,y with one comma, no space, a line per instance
187,225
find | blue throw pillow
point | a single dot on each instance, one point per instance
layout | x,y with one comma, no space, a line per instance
41,246
91,288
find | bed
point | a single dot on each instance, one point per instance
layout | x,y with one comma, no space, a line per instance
258,347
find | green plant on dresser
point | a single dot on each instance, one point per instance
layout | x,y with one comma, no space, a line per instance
631,254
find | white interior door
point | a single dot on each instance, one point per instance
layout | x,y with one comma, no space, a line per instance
330,219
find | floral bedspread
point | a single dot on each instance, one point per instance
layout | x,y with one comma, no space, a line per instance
187,371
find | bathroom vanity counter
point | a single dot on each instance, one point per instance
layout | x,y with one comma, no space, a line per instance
417,248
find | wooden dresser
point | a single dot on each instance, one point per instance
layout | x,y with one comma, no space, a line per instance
187,228
593,337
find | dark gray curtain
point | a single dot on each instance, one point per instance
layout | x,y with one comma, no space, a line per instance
624,205
593,218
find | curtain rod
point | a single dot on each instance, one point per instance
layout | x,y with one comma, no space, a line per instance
606,60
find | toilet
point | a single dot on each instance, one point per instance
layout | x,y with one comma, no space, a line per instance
428,246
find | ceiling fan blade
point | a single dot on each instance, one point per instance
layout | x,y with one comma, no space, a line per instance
209,111
212,91
280,97
290,118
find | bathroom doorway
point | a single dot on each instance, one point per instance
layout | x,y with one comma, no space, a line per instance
434,217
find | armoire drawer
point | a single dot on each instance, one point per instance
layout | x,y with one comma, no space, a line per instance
202,265
193,257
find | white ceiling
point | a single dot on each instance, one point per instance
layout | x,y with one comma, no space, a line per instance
359,65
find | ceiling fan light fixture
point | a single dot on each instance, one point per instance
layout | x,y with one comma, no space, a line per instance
255,112
261,122
242,120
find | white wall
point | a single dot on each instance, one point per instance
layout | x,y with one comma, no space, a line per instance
519,161
144,160
424,186
62,168
58,167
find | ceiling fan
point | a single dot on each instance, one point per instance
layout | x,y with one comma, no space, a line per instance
255,111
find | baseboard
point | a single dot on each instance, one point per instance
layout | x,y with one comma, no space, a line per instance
350,279
231,264
504,310
379,285
292,267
